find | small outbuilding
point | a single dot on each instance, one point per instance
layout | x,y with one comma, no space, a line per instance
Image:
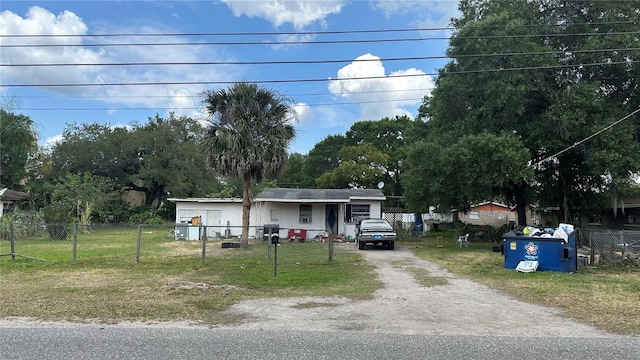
9,199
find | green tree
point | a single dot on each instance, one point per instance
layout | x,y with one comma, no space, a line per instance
389,136
249,133
468,182
160,158
294,175
18,143
170,159
323,158
556,98
361,167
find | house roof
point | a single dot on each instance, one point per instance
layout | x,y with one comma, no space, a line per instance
12,195
207,200
318,195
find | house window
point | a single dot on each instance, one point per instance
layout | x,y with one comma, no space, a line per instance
354,212
633,219
474,215
595,220
273,216
305,214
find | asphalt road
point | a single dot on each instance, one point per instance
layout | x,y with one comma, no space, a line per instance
118,342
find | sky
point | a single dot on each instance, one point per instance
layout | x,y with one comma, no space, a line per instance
126,61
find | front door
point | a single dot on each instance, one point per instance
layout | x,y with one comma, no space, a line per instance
331,218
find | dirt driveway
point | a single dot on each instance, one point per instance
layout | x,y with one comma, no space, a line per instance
461,307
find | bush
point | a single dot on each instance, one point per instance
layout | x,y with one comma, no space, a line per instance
57,217
146,215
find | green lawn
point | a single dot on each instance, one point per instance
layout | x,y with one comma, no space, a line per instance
171,282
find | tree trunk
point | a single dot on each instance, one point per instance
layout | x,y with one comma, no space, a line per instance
521,206
246,209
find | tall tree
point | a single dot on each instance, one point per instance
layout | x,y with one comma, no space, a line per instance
18,142
323,158
249,134
294,175
361,167
157,158
389,136
530,68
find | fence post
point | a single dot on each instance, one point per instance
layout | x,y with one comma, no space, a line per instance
75,240
12,241
593,251
204,243
138,244
330,247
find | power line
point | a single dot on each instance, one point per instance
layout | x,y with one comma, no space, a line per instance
275,33
197,108
301,42
585,139
329,61
281,81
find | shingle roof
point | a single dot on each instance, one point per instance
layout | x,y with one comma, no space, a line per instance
318,195
12,195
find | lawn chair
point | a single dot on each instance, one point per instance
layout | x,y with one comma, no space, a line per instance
463,240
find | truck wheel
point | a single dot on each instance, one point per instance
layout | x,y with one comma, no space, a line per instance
360,245
391,245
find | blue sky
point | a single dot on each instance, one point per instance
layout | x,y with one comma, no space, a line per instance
365,80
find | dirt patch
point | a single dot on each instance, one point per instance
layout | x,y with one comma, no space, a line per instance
403,306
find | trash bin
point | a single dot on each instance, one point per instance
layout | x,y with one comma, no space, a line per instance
551,254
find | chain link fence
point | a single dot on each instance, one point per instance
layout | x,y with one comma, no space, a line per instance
77,241
613,248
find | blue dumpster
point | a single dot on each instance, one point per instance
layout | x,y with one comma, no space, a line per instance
552,254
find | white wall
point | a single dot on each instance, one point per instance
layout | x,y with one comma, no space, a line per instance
216,216
287,215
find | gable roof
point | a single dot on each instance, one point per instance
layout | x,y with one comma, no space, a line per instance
318,195
490,203
12,195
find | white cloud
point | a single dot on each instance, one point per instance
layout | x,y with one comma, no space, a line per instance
398,93
304,113
52,141
435,12
40,21
278,12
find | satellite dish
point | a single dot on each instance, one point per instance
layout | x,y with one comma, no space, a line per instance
380,185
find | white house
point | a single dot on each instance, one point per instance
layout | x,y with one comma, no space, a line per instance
305,212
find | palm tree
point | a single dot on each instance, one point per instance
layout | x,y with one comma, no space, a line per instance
19,141
249,133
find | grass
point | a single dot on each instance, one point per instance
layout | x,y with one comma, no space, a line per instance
608,298
170,282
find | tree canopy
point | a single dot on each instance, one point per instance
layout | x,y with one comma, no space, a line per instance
18,142
548,75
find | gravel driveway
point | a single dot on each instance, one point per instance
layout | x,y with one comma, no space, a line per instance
402,306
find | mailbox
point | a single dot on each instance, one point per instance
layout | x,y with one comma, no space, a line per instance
274,230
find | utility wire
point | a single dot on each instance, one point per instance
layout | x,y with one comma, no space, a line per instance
585,139
197,108
274,33
307,62
299,42
281,81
